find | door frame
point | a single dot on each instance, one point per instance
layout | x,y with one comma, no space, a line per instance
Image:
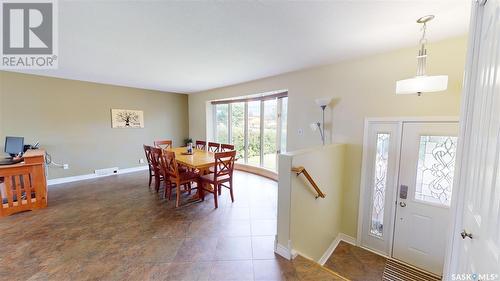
364,201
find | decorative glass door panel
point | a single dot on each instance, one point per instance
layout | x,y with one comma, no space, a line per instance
436,166
380,154
379,184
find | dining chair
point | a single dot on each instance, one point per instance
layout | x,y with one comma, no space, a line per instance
163,144
226,147
147,151
156,154
223,173
213,147
201,145
176,178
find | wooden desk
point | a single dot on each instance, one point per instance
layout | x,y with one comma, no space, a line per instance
25,185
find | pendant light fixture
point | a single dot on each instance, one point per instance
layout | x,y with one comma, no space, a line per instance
422,83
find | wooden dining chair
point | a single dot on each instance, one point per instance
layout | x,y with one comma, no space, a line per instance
201,145
223,173
213,147
226,147
176,178
163,144
147,151
156,154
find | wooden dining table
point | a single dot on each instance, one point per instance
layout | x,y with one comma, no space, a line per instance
200,160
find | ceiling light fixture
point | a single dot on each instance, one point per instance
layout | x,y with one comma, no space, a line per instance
422,83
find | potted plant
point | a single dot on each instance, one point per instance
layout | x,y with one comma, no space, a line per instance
188,141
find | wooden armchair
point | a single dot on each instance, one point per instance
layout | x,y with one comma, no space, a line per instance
176,178
223,173
213,147
201,145
147,151
23,189
226,147
163,144
156,154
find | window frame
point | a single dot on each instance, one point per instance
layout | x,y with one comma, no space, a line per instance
278,97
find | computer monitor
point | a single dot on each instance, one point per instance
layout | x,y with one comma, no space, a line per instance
14,145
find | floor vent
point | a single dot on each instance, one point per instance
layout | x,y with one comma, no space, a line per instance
396,271
107,171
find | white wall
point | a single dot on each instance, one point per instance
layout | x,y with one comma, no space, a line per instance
360,88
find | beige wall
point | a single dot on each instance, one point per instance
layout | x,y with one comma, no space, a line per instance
72,120
314,223
361,88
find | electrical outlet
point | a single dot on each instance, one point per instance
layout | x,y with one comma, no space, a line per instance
141,161
65,166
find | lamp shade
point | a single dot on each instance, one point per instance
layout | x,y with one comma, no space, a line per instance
323,101
422,84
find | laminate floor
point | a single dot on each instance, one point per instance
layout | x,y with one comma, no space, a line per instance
116,228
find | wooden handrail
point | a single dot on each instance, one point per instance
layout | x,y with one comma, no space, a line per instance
302,170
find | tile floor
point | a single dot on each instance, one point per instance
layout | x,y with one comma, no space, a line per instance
115,228
355,263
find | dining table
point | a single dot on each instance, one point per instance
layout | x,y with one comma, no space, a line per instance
200,160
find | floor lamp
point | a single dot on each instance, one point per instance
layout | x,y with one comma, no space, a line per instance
322,103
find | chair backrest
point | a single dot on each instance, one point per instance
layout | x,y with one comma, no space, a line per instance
147,151
213,147
155,157
169,165
163,144
17,187
201,144
224,163
226,147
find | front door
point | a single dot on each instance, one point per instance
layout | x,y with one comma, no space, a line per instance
426,168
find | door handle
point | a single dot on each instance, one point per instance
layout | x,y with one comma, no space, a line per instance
465,234
402,204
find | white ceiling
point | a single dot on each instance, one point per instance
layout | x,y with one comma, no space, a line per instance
192,46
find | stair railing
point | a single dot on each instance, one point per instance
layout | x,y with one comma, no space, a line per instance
301,170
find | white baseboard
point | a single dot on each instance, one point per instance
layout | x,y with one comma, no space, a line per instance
348,239
283,251
94,176
340,237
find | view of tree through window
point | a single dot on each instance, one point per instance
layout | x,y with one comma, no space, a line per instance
254,133
284,112
221,113
255,128
270,127
238,129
